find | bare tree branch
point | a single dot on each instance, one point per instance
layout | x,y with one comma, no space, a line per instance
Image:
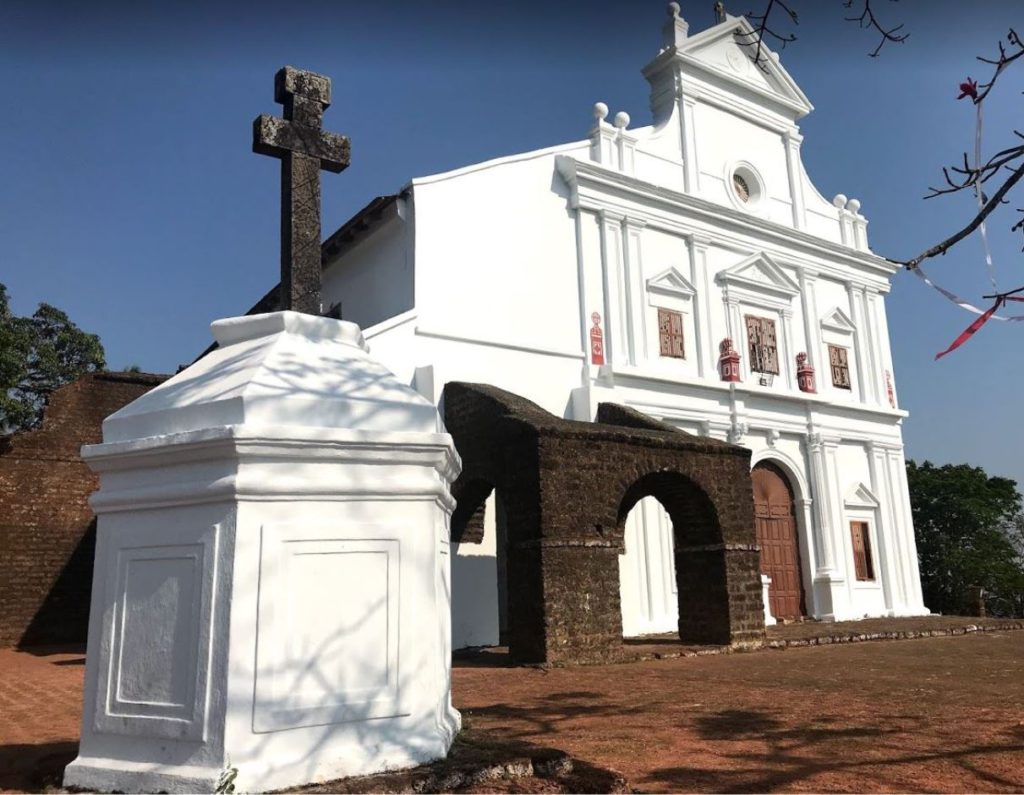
986,210
762,29
867,19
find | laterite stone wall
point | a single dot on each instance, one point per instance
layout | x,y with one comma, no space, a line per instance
47,532
568,486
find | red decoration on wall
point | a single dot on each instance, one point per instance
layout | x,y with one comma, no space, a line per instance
889,389
596,340
728,361
804,374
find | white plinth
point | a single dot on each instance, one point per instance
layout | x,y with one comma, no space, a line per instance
271,587
766,584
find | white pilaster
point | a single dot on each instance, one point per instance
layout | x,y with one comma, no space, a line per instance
616,310
705,347
859,343
687,118
791,139
812,327
634,284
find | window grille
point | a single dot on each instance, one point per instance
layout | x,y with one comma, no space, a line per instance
838,359
670,334
762,345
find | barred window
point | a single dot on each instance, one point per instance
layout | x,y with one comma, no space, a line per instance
838,359
762,345
670,334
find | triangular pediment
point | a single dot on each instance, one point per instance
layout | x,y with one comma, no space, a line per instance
671,282
760,273
728,50
860,496
838,320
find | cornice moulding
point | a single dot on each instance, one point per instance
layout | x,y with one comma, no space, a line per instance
581,175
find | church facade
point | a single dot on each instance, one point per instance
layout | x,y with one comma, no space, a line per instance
689,270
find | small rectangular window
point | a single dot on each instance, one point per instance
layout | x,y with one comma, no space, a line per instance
838,359
762,345
670,334
863,565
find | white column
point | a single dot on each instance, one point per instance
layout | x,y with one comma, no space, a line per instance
817,470
791,139
898,468
691,169
888,546
788,364
634,273
616,313
736,331
858,343
812,328
705,344
878,361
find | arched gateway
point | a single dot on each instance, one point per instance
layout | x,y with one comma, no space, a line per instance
775,524
567,488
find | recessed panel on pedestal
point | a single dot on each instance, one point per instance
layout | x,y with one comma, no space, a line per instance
159,604
327,649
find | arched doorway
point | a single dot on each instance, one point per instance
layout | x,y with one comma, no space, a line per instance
648,594
775,524
702,592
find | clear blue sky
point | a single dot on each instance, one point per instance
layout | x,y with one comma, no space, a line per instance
129,196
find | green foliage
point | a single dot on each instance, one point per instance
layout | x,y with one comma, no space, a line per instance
38,354
970,529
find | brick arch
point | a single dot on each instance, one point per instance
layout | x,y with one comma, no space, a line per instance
700,567
566,487
470,510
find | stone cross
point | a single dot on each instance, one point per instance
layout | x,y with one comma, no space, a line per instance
304,148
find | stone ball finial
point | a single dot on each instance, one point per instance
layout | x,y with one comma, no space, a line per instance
600,111
673,10
839,202
622,120
853,205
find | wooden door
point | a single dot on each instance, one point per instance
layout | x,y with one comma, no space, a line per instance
775,522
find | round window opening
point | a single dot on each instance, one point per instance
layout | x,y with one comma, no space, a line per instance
739,184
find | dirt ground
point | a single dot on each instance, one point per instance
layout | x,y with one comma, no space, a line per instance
942,714
930,714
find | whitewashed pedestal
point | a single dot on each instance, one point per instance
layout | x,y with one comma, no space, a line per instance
271,587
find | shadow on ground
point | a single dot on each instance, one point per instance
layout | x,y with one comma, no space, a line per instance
35,768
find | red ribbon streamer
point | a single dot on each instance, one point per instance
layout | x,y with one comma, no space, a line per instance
971,329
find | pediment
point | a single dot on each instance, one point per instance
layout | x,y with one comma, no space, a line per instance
723,49
838,320
759,273
860,496
671,282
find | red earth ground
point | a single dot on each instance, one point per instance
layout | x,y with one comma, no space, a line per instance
931,714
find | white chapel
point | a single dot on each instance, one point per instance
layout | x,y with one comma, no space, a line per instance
690,270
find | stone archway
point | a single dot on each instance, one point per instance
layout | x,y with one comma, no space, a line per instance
566,488
776,528
701,581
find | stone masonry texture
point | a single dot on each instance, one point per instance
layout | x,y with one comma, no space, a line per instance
47,531
567,487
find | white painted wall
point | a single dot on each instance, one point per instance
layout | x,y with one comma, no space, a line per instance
514,256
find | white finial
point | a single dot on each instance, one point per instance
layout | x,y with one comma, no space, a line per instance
676,29
839,202
853,205
600,111
622,120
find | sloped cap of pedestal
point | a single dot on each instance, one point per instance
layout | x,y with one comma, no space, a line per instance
273,370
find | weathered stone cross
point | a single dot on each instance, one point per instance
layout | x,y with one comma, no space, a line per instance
304,148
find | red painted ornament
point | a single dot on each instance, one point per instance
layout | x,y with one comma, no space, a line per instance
804,374
728,361
596,340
